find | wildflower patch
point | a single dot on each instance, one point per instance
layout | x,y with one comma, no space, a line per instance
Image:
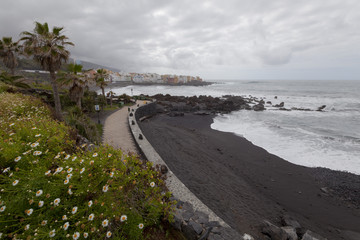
52,189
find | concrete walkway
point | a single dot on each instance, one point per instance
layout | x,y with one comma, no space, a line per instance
117,132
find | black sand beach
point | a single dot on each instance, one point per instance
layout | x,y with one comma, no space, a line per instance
244,184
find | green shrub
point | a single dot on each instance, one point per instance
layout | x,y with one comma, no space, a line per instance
3,87
88,101
80,121
65,100
51,189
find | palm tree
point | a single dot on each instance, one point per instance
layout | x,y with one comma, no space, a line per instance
100,77
76,80
17,81
8,50
111,95
48,48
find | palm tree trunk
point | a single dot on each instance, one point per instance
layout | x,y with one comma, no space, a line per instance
103,93
58,113
78,103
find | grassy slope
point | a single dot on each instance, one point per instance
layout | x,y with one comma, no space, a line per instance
41,166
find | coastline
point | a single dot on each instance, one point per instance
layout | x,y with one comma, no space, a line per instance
128,83
122,84
245,185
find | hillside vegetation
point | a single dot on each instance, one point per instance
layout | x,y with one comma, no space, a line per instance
30,64
51,188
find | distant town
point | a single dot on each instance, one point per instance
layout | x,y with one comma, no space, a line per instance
151,78
142,78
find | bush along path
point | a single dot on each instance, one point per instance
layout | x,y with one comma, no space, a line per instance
50,188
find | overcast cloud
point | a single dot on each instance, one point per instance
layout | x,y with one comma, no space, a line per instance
224,39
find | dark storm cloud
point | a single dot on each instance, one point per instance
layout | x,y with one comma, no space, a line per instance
192,36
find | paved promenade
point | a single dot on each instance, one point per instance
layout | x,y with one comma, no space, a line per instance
117,132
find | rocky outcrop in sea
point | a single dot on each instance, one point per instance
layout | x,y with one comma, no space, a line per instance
205,105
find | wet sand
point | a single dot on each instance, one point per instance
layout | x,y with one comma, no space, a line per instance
244,184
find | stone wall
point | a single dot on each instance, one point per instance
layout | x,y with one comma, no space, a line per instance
145,110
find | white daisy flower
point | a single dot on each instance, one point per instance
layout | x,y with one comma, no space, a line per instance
74,210
76,235
67,157
108,234
109,155
41,203
152,184
81,161
35,144
38,135
91,217
2,209
66,181
112,174
86,234
56,202
105,188
95,155
17,159
44,222
92,162
58,170
123,218
141,226
27,152
69,176
69,170
64,217
6,169
39,192
47,172
82,170
90,203
66,226
37,153
29,211
74,158
27,227
70,192
14,183
105,223
52,233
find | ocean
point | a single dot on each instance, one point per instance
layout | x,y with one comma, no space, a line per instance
329,139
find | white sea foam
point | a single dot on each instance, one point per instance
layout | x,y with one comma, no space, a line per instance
295,145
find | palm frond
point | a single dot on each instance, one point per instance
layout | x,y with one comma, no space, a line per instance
13,80
7,40
57,30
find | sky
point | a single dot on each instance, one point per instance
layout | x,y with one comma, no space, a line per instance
219,39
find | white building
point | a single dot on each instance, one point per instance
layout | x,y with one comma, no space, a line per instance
124,77
139,78
182,79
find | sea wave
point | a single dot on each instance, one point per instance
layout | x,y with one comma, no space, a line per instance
295,144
